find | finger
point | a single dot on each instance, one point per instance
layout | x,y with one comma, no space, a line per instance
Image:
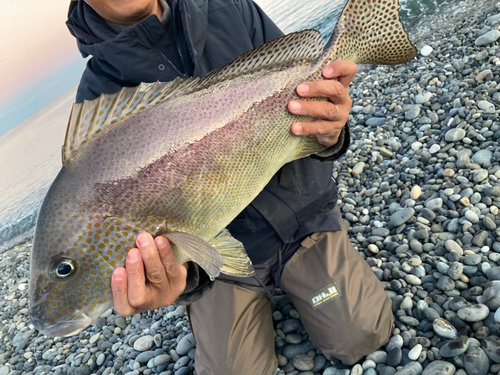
321,109
136,280
176,274
326,132
119,291
343,70
155,272
323,89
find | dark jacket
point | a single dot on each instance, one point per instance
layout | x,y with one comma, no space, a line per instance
208,34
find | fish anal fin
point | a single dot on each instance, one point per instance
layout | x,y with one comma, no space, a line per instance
369,32
236,261
197,250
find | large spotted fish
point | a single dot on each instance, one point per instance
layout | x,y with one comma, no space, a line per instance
182,159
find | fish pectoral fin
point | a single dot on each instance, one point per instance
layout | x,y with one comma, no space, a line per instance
199,251
236,260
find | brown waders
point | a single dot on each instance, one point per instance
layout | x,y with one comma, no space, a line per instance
341,304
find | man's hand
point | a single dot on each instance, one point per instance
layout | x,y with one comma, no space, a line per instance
135,291
332,114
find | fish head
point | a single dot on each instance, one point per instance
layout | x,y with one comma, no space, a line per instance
75,251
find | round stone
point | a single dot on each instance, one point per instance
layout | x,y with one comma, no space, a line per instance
412,113
454,135
443,328
471,216
415,192
455,347
402,216
303,362
414,353
185,344
143,343
413,280
476,361
439,368
426,51
487,38
448,172
473,313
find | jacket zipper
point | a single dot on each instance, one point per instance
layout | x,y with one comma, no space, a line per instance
179,73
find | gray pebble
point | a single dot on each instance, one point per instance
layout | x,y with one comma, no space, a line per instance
185,344
439,368
476,361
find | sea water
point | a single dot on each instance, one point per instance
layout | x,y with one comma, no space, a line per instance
30,153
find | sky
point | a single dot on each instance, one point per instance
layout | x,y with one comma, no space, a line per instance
38,57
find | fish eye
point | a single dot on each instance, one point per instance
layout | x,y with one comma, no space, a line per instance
64,268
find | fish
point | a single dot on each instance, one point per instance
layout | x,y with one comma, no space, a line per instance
182,159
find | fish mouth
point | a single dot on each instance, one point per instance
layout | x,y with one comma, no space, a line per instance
64,328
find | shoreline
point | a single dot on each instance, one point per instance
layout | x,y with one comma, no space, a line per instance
420,190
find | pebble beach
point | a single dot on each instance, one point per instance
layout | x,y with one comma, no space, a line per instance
420,191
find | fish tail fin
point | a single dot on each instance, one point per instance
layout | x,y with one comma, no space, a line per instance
236,260
368,32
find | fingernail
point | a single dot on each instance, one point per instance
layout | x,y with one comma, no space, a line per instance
295,106
132,256
143,239
160,241
297,129
328,71
117,275
302,89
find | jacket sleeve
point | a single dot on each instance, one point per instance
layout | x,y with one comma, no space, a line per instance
337,150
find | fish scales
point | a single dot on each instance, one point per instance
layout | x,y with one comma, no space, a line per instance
205,149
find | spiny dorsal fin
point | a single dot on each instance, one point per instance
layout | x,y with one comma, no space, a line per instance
369,32
90,118
302,45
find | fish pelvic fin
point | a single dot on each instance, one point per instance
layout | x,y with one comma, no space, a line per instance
369,32
199,251
236,260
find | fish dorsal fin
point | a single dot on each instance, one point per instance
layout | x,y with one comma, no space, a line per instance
370,32
90,118
302,45
93,117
